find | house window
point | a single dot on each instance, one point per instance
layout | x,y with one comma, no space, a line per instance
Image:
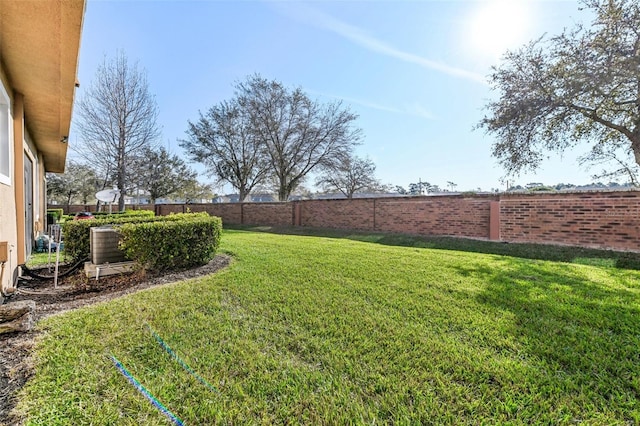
5,137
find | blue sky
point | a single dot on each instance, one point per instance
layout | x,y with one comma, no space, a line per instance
414,71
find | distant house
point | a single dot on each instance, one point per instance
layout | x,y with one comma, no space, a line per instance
39,45
272,198
251,198
229,198
261,198
340,195
139,196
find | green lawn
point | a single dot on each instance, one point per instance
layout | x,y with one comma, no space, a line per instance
320,330
43,259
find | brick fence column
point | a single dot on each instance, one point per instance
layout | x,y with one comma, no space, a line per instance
494,220
297,220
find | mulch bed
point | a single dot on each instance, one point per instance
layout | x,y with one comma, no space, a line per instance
73,292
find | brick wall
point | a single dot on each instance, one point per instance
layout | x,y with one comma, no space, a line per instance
442,215
340,214
589,219
78,208
602,220
167,209
272,214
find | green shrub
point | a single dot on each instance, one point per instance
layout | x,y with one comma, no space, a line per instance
126,213
77,232
542,189
57,213
163,245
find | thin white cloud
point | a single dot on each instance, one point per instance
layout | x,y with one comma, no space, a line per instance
420,111
415,109
356,35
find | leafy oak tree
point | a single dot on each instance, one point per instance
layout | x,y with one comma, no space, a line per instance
579,87
76,184
195,192
224,141
160,173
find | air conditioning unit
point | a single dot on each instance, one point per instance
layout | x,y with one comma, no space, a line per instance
104,246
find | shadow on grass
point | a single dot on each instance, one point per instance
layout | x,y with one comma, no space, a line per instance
595,257
581,336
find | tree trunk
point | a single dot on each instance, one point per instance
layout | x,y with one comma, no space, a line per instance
121,173
282,194
17,316
635,147
68,203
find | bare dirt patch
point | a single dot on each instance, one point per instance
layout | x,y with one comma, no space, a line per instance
73,292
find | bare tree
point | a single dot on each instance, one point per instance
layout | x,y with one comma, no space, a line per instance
351,175
223,140
297,134
118,118
581,86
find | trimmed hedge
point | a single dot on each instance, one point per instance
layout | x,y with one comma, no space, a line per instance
77,232
163,245
126,213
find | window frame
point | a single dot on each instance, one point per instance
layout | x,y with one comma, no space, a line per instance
5,135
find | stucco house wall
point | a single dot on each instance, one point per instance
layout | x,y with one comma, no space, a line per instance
8,224
39,48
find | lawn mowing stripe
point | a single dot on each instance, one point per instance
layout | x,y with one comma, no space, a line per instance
164,410
179,360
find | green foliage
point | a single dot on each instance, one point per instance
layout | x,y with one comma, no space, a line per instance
126,213
57,213
579,87
541,189
327,331
77,232
161,173
76,236
77,184
194,192
172,244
